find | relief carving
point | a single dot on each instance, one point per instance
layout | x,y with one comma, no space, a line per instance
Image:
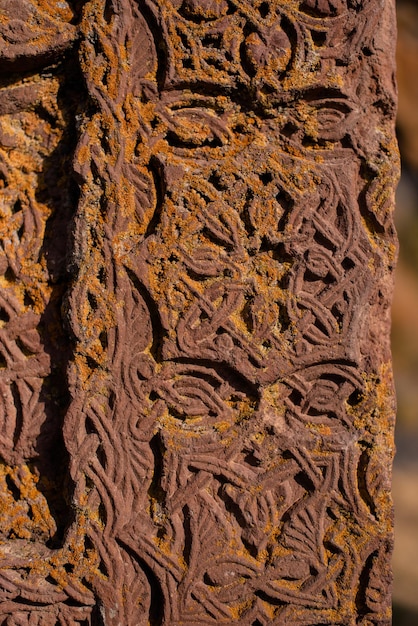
196,267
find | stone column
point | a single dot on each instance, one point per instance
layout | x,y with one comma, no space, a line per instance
196,270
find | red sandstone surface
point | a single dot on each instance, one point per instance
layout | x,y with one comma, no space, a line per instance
196,274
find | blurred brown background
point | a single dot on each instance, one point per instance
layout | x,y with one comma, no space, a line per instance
405,326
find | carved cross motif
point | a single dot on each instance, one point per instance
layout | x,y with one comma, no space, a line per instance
195,270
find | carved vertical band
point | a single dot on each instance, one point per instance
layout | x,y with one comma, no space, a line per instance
196,269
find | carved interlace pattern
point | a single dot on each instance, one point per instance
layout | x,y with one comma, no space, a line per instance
195,273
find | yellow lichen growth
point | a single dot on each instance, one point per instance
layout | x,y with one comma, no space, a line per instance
24,512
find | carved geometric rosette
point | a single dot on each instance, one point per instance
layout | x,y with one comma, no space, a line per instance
196,268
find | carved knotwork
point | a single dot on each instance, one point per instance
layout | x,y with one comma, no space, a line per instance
195,262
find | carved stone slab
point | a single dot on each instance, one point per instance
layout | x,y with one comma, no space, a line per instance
195,269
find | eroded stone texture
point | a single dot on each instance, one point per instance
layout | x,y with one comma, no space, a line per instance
196,258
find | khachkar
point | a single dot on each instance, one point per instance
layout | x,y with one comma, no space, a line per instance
197,248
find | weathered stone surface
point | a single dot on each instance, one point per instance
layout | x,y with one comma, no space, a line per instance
197,247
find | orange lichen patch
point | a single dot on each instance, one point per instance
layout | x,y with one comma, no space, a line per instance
375,412
24,512
308,116
56,8
28,139
335,78
379,420
321,429
238,610
40,33
300,77
72,565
